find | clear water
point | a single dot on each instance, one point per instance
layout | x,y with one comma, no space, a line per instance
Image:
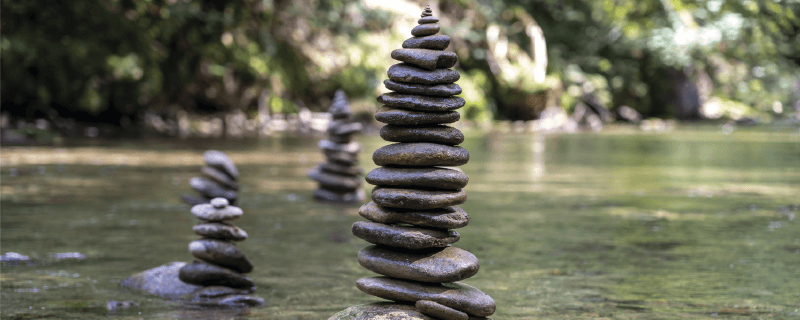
623,224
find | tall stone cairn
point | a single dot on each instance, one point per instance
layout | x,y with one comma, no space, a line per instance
218,180
414,204
339,176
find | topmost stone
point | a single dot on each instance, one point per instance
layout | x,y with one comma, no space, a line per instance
340,108
221,161
428,12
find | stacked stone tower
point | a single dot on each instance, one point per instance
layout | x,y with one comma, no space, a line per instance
414,204
339,176
218,181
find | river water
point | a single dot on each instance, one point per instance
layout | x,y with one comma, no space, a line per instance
693,223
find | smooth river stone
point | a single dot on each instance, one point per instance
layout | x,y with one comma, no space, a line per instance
404,72
340,169
221,253
219,177
426,58
428,19
403,237
342,138
343,127
341,157
456,295
381,310
395,116
218,159
439,90
441,178
353,147
334,196
430,133
417,199
205,274
211,189
437,265
208,212
439,311
446,218
425,30
222,231
420,154
421,103
334,181
435,42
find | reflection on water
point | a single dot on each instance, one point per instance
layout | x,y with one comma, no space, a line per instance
694,223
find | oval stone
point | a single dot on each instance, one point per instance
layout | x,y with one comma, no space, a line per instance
428,19
220,177
395,116
452,217
439,90
440,311
207,212
332,181
404,72
218,230
438,265
211,189
381,310
431,133
403,237
435,42
343,127
341,157
420,154
221,253
421,103
456,295
426,58
205,274
353,147
441,178
339,197
425,30
340,169
220,160
417,199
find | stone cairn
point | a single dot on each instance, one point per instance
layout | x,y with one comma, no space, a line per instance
339,176
413,206
219,181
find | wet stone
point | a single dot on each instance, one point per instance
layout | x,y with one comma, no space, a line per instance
396,116
428,19
221,253
211,189
421,103
439,311
426,58
455,295
408,73
416,198
437,265
441,178
352,147
208,212
340,169
220,177
425,30
219,230
434,42
451,217
220,160
335,182
440,90
338,196
420,154
205,274
432,133
403,237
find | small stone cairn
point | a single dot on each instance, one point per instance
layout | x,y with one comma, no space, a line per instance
218,181
413,208
339,176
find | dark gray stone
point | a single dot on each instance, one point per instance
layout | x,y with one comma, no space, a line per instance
439,311
220,177
446,218
417,199
439,134
220,230
426,58
441,178
396,116
428,19
437,265
352,147
208,212
332,181
420,154
340,108
339,197
342,138
403,237
220,160
343,127
439,90
340,169
425,30
221,253
421,103
211,189
381,310
341,157
435,42
161,281
205,274
455,295
404,72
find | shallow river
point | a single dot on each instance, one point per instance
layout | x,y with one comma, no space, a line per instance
623,224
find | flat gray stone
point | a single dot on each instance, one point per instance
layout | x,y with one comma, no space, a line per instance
403,237
205,274
452,217
390,115
340,169
220,160
220,291
341,157
439,90
161,281
211,189
417,199
332,181
439,311
381,310
342,138
425,30
343,127
439,134
408,73
220,177
426,58
339,197
455,295
435,42
437,265
428,19
340,108
220,230
421,103
208,212
221,253
420,154
434,177
353,147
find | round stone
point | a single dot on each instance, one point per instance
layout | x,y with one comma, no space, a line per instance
437,265
219,291
434,42
408,73
441,178
446,218
220,177
205,274
403,237
207,212
426,58
332,181
456,295
420,154
219,230
421,103
211,189
440,311
396,116
428,19
417,199
221,253
425,30
439,90
431,133
339,197
220,160
219,203
340,169
381,310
